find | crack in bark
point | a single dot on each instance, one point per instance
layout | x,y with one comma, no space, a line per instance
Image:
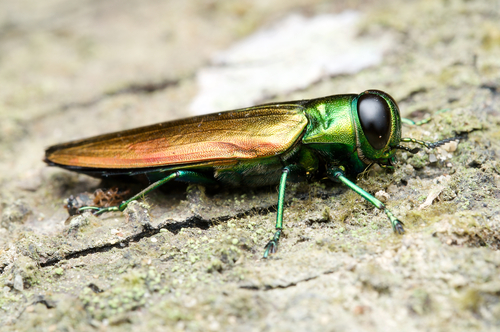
292,284
192,222
133,88
148,231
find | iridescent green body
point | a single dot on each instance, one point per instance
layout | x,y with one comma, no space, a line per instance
339,136
332,137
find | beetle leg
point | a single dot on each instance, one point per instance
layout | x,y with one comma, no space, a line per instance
338,174
415,123
186,176
272,246
421,122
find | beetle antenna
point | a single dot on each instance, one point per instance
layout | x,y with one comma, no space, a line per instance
413,151
433,145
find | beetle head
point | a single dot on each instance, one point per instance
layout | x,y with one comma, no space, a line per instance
378,126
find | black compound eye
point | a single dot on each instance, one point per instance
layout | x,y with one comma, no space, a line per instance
375,117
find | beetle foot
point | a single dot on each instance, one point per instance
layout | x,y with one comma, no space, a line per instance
73,206
271,248
398,227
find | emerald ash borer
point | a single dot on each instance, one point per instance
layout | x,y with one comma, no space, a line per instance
338,136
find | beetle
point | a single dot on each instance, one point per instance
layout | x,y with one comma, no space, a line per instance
339,136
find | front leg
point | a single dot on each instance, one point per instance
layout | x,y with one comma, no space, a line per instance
338,174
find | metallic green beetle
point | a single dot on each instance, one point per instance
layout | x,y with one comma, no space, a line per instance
339,135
